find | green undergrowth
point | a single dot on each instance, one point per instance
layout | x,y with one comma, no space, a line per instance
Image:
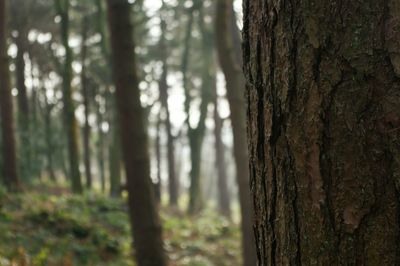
40,228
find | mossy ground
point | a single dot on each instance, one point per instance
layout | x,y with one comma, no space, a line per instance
47,227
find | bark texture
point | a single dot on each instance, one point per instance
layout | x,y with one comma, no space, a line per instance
228,46
6,109
146,228
323,92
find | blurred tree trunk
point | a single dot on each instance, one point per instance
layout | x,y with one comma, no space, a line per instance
235,86
224,201
196,135
11,179
323,93
100,142
23,105
146,226
115,152
62,7
163,87
86,105
49,137
114,149
158,160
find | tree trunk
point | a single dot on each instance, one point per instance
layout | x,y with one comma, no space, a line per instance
69,109
323,90
146,227
224,201
163,86
11,179
86,104
196,135
114,149
235,85
114,152
23,107
48,132
158,160
100,143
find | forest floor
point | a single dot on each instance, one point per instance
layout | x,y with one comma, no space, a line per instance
45,227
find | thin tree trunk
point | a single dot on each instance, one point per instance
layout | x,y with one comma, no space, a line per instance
114,149
23,107
48,133
115,152
196,135
71,125
235,85
146,226
163,86
224,201
158,160
86,104
100,144
11,179
323,91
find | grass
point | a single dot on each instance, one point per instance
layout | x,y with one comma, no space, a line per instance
43,228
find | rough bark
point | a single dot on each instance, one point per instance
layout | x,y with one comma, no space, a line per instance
62,8
323,88
227,46
146,227
86,105
11,179
224,200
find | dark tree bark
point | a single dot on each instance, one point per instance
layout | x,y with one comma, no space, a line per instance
224,200
228,50
146,227
62,8
323,88
11,179
163,87
86,104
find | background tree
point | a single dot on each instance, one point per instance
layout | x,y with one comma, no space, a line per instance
146,228
323,119
163,87
11,178
62,8
228,45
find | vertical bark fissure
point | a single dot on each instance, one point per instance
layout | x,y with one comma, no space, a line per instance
275,134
